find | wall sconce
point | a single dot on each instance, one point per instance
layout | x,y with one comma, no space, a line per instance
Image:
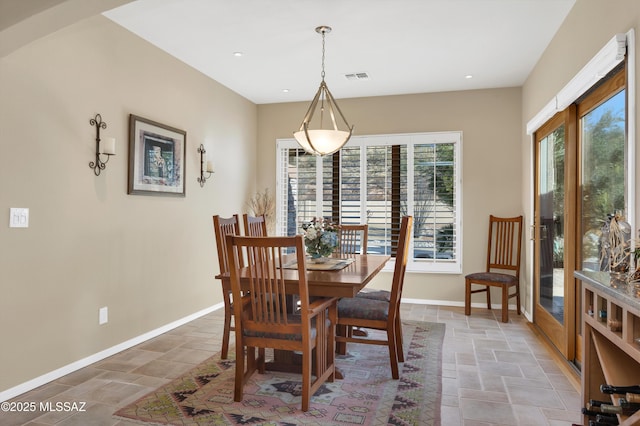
205,166
107,147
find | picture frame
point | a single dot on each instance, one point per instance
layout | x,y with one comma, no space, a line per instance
156,158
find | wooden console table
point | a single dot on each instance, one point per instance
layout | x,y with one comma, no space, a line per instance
611,338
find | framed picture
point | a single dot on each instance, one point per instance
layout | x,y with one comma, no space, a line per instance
156,158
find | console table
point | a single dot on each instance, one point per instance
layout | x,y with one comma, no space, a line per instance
611,337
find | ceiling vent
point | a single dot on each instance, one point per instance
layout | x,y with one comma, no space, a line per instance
357,76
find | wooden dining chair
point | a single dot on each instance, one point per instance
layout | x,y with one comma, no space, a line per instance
503,264
255,226
223,227
379,314
353,239
265,319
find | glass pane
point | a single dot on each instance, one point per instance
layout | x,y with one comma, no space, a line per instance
378,167
327,188
551,202
301,191
603,174
434,210
350,182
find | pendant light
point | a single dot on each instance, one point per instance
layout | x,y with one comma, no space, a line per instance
323,140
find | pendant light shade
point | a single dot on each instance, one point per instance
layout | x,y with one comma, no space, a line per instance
320,134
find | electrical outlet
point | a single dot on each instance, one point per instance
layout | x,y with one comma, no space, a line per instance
103,316
18,218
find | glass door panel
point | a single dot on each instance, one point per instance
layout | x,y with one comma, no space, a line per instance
551,222
603,174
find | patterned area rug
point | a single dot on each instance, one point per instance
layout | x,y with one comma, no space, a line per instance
366,396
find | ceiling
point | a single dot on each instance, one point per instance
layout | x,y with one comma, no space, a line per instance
404,46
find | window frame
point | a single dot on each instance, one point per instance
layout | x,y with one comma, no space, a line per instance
419,265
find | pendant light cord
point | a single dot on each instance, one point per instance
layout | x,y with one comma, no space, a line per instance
322,74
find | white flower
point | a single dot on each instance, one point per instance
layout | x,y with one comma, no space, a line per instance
311,233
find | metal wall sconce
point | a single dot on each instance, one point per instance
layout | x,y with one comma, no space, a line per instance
107,147
205,166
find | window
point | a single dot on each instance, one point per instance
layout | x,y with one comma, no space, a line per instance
376,180
603,181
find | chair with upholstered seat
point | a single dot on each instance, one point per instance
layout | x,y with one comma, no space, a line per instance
353,240
223,227
383,295
503,264
265,318
378,314
255,226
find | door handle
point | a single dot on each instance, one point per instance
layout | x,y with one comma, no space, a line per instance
543,232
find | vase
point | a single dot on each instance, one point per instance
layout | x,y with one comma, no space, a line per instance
317,258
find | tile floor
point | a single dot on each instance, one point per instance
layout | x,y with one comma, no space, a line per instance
493,373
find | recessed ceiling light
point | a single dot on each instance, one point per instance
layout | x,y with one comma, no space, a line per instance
285,90
468,76
237,54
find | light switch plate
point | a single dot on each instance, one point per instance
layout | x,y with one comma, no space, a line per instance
103,315
18,218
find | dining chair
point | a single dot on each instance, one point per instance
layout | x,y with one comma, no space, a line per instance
223,227
353,239
503,264
265,319
379,314
255,226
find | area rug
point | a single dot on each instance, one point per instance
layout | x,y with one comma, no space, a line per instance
366,396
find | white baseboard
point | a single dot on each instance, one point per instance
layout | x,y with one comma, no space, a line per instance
77,365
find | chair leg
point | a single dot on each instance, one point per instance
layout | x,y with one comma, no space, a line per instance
226,332
228,312
331,343
518,297
341,347
488,298
505,303
306,380
467,297
393,350
239,383
399,343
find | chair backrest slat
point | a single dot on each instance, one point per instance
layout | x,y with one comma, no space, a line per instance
223,227
353,239
505,244
255,226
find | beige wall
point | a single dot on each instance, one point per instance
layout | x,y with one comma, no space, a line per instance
491,172
589,26
150,260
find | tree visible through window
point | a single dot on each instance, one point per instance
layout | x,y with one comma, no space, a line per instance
376,180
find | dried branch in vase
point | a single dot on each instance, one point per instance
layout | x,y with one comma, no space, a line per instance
263,203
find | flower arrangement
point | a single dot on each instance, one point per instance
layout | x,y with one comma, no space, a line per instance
320,237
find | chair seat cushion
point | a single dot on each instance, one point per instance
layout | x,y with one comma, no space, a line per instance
293,319
382,295
363,308
493,277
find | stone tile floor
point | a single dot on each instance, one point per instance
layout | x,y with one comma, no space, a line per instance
492,373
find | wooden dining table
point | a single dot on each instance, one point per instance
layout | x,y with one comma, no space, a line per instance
343,282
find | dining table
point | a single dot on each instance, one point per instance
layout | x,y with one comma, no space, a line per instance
335,277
